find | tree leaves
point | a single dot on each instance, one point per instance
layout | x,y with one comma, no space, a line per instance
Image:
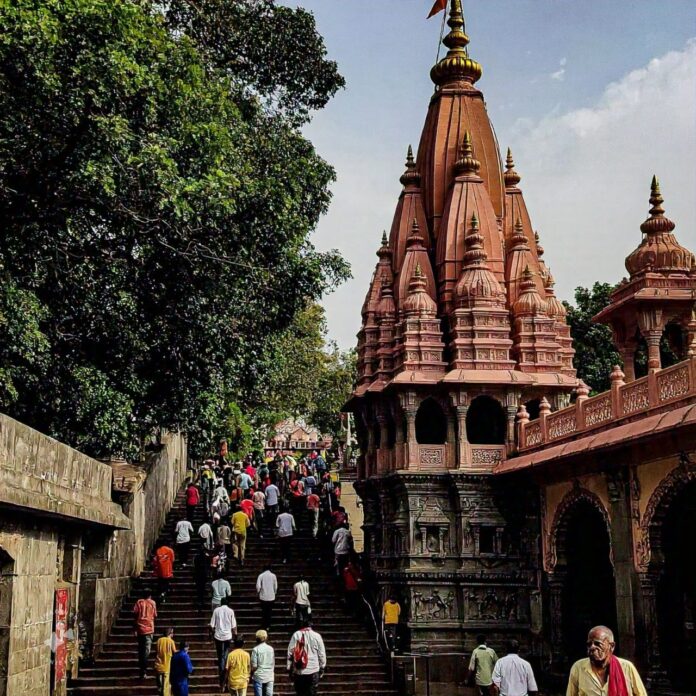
156,214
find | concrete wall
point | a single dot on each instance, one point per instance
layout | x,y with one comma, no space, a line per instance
60,528
109,565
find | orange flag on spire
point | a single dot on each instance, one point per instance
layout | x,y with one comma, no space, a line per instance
439,6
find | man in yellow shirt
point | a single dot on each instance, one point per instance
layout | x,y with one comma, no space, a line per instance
240,524
601,673
164,648
391,611
238,669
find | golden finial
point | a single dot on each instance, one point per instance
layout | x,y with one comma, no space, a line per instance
384,238
467,163
511,177
409,156
384,251
419,271
474,221
456,65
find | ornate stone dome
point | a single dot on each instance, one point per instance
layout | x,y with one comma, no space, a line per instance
529,303
659,252
477,285
419,303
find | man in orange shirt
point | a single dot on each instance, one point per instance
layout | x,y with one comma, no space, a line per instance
313,505
163,568
144,615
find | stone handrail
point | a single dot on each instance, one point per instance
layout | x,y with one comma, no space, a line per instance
623,401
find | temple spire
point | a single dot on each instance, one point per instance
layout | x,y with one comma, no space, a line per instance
511,177
456,65
467,163
411,175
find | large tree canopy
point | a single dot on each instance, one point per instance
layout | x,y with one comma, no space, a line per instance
157,199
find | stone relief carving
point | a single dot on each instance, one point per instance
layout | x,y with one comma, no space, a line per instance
490,604
433,605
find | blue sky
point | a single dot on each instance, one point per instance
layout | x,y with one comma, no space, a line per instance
593,96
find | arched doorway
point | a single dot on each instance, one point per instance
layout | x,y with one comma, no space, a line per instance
485,421
588,597
676,591
431,424
6,577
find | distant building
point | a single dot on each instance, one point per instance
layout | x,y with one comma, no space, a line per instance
296,435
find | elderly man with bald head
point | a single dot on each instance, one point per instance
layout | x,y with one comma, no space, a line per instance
601,673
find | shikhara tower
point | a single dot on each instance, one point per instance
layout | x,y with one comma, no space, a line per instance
460,326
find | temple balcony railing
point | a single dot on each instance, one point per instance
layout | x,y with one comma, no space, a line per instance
660,390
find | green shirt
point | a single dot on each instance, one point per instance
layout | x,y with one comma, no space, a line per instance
482,661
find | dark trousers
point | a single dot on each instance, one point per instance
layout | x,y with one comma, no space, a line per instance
306,684
301,613
266,614
182,552
190,509
163,587
222,648
144,647
200,591
285,543
161,679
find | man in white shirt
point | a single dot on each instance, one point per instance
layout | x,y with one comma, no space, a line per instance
306,679
205,532
266,588
184,530
302,606
221,589
223,629
342,540
262,665
272,495
285,524
513,676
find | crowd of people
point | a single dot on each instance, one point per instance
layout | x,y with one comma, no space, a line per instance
268,498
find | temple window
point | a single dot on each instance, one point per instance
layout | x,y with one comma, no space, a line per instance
485,421
431,424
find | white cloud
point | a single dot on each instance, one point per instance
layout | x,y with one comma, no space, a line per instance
586,173
559,75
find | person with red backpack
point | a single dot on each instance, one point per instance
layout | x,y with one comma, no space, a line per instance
306,659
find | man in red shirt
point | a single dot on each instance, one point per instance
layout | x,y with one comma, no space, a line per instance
163,568
351,585
193,497
313,505
247,507
144,615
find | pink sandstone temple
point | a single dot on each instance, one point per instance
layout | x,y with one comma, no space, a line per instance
483,457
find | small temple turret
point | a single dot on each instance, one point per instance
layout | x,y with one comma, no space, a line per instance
658,294
457,106
408,209
416,256
468,196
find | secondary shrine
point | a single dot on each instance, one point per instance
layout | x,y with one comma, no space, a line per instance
465,382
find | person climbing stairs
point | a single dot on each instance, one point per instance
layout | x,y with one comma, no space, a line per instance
354,665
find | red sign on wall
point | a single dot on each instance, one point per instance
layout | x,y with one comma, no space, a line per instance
61,617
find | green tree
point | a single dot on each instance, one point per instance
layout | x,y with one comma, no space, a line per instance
595,354
157,199
336,381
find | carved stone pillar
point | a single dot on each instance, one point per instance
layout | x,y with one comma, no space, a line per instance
383,452
411,443
624,571
653,341
657,676
511,415
628,358
556,583
399,444
462,440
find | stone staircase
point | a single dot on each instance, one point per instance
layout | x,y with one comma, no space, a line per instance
354,667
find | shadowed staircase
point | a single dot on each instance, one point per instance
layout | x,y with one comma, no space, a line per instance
354,668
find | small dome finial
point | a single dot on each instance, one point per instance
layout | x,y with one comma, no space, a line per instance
385,250
415,238
518,240
511,177
411,175
419,301
456,65
657,222
467,163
